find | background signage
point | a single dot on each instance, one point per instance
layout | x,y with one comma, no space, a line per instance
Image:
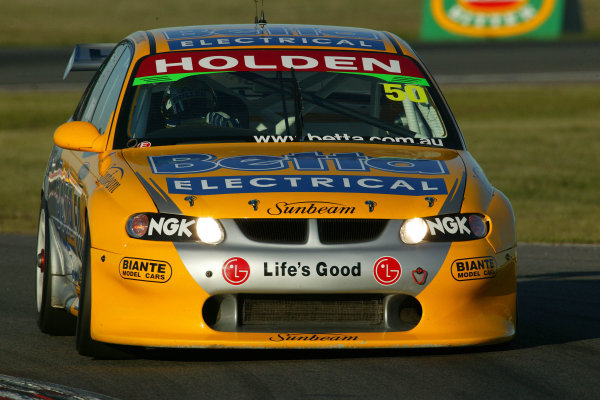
492,19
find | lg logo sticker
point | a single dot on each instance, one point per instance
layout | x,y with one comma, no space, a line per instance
387,270
236,270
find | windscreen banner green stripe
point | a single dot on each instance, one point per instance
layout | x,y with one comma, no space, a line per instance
411,80
145,80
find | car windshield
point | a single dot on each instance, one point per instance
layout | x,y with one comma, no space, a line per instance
280,96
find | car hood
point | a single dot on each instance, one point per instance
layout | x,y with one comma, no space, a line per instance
300,180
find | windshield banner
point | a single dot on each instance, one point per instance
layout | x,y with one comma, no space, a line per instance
173,66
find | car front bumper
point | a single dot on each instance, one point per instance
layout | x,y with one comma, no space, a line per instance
458,308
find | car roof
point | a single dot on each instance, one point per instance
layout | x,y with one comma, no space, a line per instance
88,57
253,36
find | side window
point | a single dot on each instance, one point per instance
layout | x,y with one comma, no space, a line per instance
110,95
100,81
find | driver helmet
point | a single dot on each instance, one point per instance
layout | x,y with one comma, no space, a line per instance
185,99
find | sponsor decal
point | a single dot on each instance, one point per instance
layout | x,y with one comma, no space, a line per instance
317,36
491,18
287,30
145,143
168,227
389,67
139,269
453,227
344,137
419,276
236,270
67,192
111,180
387,270
250,41
467,269
299,269
448,225
315,337
307,183
310,208
308,161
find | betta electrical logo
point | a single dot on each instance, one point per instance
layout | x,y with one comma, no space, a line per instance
491,18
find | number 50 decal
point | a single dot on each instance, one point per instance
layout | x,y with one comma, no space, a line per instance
414,93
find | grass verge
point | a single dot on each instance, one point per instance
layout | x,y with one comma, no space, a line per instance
66,22
27,123
538,144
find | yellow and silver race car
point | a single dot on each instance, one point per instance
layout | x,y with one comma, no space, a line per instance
283,186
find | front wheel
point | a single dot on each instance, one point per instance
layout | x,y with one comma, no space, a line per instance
51,320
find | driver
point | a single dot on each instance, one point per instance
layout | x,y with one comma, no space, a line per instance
191,101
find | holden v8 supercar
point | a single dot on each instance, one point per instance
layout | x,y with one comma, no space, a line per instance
285,186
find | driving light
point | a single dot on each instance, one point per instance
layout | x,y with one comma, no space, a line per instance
477,225
413,231
137,225
209,231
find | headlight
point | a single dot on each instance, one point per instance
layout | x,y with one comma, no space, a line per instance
413,231
209,231
478,226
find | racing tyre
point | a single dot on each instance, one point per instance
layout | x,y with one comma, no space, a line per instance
51,320
86,346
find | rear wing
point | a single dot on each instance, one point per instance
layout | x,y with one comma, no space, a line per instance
88,57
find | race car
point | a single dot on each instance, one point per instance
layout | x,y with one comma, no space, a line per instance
268,186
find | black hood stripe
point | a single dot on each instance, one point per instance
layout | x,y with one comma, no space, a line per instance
454,200
163,202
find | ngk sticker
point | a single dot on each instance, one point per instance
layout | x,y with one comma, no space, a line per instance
450,225
170,227
387,270
236,270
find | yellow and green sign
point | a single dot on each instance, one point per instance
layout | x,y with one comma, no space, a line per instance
491,19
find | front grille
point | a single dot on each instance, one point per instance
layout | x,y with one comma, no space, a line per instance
295,231
266,230
339,231
305,311
289,312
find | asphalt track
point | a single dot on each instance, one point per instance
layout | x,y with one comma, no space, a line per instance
556,353
475,63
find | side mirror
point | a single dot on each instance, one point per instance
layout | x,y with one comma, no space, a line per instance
80,136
